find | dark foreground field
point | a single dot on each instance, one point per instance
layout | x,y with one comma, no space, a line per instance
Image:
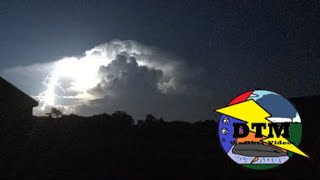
115,147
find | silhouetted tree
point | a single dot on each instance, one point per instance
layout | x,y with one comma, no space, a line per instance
55,113
150,118
161,120
122,117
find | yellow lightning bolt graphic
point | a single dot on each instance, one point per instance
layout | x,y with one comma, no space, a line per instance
250,112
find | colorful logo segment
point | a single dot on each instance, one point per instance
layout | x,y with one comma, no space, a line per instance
260,129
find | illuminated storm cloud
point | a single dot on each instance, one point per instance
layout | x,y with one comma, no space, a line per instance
109,70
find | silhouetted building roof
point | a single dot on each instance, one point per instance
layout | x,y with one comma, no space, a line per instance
12,96
307,105
306,99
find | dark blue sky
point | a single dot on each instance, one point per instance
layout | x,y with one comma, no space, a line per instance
241,44
36,31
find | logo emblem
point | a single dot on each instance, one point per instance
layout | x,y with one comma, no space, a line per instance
260,129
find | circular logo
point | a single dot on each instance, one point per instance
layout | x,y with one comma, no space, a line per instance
260,129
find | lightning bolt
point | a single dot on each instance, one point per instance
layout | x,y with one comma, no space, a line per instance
250,112
47,97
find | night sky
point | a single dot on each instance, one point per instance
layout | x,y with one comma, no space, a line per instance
227,47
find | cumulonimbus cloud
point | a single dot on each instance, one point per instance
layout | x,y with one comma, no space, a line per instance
113,73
